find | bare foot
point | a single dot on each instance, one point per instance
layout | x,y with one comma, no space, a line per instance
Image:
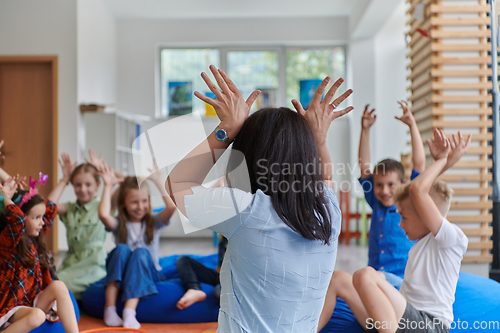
190,297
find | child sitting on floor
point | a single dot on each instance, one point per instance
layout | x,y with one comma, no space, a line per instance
133,266
27,293
428,291
387,246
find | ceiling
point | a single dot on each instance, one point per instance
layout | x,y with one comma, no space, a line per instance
233,8
366,17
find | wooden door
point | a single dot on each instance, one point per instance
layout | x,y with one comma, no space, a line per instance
28,120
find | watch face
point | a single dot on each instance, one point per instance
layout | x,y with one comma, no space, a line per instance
220,134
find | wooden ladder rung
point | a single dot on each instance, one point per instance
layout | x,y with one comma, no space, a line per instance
465,73
437,60
461,124
461,112
460,9
442,21
478,259
467,178
461,99
460,34
438,47
471,205
471,232
461,86
470,218
480,245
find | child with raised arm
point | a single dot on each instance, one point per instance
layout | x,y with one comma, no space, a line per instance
85,260
424,303
133,266
28,295
387,245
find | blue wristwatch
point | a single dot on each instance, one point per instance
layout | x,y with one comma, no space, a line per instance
221,135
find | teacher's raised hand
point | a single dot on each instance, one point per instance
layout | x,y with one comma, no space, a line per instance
321,112
230,106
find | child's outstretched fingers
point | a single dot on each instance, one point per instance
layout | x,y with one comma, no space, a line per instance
93,160
407,117
66,166
368,117
440,147
9,186
458,148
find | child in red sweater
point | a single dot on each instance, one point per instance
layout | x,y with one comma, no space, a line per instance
27,293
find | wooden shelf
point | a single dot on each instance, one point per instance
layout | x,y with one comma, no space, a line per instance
470,218
442,67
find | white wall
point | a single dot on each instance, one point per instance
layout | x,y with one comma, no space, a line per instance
361,69
96,53
139,40
32,27
378,70
390,86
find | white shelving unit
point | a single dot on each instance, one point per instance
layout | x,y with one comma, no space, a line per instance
113,134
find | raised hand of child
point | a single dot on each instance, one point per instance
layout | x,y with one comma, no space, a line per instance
407,117
156,175
320,113
440,147
93,160
230,106
458,148
108,175
368,117
10,186
66,166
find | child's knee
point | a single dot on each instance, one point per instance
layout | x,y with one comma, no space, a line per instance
35,318
122,248
340,279
140,255
363,277
58,288
182,261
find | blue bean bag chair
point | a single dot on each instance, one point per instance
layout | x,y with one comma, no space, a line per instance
49,327
476,308
161,308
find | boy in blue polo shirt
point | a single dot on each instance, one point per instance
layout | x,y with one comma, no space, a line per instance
388,245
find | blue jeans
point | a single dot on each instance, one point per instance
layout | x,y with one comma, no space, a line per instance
134,272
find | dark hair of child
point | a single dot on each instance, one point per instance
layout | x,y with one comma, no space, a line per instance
23,247
388,165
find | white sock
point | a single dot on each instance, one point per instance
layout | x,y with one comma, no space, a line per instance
111,318
129,320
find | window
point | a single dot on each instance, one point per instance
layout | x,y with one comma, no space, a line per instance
250,68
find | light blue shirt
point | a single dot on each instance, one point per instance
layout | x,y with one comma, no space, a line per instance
272,278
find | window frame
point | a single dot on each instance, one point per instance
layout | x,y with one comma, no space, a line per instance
281,49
